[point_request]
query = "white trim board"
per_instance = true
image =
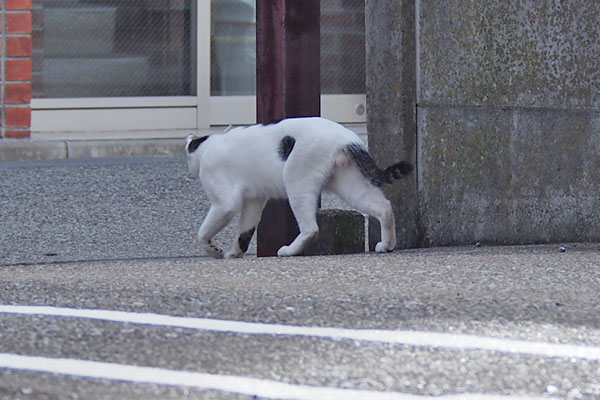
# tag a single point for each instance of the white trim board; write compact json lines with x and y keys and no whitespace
{"x":168,"y":113}
{"x":113,"y":102}
{"x":109,"y":119}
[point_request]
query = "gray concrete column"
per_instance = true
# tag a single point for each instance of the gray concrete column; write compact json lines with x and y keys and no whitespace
{"x":391,"y":105}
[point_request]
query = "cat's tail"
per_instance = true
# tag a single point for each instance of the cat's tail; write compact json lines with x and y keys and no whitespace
{"x":366,"y":165}
{"x":396,"y":171}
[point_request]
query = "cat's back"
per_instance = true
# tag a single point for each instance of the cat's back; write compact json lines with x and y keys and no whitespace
{"x":312,"y":133}
{"x":316,"y":129}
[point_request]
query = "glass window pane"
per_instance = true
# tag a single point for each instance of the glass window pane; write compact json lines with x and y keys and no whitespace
{"x":342,"y":46}
{"x":233,"y":47}
{"x":109,"y":48}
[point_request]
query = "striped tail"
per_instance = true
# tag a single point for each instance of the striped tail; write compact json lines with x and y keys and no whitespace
{"x":366,"y":165}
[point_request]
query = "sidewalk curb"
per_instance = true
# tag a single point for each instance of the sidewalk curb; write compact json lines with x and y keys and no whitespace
{"x":38,"y":150}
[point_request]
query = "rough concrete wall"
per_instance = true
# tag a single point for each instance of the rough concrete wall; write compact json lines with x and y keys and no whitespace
{"x":516,"y":53}
{"x":509,"y":176}
{"x":508,"y":120}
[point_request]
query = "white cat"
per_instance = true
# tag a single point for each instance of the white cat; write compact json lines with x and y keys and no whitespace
{"x":294,"y":158}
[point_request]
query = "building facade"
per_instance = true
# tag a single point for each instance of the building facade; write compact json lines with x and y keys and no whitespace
{"x":115,"y":65}
{"x":15,"y":68}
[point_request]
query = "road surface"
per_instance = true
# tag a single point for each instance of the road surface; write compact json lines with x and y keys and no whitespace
{"x":104,"y":294}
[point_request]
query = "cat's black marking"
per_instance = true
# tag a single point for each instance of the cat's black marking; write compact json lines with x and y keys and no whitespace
{"x":285,"y":147}
{"x":366,"y":165}
{"x":244,"y":239}
{"x":195,"y":143}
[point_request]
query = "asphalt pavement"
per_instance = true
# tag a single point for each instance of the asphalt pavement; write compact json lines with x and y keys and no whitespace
{"x":98,"y":209}
{"x":99,"y":236}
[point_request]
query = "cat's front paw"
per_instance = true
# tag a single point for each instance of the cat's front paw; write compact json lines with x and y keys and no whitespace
{"x":215,"y":253}
{"x":212,"y":250}
{"x":383,"y":247}
{"x":234,"y":254}
{"x":284,"y":251}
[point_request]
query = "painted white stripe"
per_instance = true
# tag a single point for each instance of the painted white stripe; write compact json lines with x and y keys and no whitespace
{"x":226,"y":383}
{"x":409,"y":338}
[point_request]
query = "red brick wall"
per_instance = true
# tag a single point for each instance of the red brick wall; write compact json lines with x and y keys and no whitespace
{"x":15,"y":45}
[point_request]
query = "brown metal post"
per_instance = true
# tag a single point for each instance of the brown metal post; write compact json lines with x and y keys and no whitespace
{"x":287,"y":85}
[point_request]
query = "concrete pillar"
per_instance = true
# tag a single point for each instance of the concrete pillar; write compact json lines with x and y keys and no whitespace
{"x":391,"y":105}
{"x":497,"y":104}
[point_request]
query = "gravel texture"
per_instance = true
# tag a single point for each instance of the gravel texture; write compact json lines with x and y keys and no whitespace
{"x":99,"y":209}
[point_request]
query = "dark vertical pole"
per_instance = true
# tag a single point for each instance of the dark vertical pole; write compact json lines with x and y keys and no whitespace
{"x":287,"y":85}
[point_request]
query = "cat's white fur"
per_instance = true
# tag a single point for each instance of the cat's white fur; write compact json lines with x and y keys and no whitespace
{"x":243,"y":168}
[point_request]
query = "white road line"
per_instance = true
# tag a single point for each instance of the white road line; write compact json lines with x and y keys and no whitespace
{"x":225,"y":383}
{"x":408,"y":338}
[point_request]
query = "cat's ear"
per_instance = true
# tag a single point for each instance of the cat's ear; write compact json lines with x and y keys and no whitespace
{"x":192,"y":142}
{"x":188,"y":140}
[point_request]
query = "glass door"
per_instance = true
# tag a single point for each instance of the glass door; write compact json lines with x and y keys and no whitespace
{"x":114,"y":65}
{"x":233,"y":61}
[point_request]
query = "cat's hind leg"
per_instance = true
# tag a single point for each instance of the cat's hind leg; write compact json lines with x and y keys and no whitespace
{"x":303,"y":197}
{"x":304,"y":174}
{"x":348,"y":183}
{"x":304,"y":207}
{"x":217,"y":218}
{"x":249,"y":218}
